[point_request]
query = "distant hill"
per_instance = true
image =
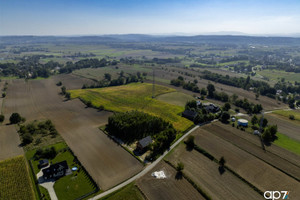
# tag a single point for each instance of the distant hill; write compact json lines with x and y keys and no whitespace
{"x":102,"y":39}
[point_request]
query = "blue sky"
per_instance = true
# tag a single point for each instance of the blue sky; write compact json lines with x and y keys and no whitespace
{"x":91,"y":17}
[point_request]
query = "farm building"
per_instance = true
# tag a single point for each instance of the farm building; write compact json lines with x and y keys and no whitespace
{"x":210,"y":107}
{"x":189,"y":114}
{"x":56,"y":170}
{"x":143,"y":143}
{"x":243,"y":122}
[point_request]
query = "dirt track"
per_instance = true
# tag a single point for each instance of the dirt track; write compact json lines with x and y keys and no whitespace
{"x":107,"y":162}
{"x":9,"y":142}
{"x":169,"y":188}
{"x":254,"y":170}
{"x":205,"y":174}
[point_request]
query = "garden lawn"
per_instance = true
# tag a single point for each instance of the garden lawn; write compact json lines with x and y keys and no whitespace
{"x":68,"y":187}
{"x":135,"y":96}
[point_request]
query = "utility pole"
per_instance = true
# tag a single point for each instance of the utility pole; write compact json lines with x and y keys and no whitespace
{"x":261,"y":130}
{"x":153,"y":83}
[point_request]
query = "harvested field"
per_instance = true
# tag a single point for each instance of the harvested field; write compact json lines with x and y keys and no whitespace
{"x":175,"y":98}
{"x":71,"y":81}
{"x":9,"y":142}
{"x":205,"y":174}
{"x":107,"y":162}
{"x":233,"y":136}
{"x":169,"y":188}
{"x":285,"y":126}
{"x":257,"y":172}
{"x":135,"y":96}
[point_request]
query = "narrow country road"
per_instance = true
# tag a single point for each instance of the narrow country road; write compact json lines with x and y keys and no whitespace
{"x":146,"y":170}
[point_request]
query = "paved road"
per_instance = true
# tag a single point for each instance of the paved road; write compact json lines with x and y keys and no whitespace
{"x":146,"y":170}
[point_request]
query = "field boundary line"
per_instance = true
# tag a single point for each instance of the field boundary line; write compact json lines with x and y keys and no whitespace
{"x":141,"y":191}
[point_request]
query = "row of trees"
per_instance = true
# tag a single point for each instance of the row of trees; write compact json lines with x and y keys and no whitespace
{"x":262,"y":87}
{"x":85,"y":63}
{"x":121,"y":80}
{"x":192,"y":86}
{"x":242,"y":103}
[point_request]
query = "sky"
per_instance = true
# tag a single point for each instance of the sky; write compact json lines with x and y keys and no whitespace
{"x":181,"y":17}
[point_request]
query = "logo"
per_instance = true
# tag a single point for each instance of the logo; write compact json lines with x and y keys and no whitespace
{"x":276,"y":195}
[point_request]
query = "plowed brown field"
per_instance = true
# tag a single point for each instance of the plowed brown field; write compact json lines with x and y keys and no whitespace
{"x":169,"y":188}
{"x":235,"y":136}
{"x":9,"y":142}
{"x":257,"y":172}
{"x":205,"y":174}
{"x":107,"y":162}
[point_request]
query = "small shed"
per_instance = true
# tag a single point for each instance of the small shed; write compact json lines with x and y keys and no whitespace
{"x":143,"y":143}
{"x":243,"y":122}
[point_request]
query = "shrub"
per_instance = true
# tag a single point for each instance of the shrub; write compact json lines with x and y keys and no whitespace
{"x":224,"y":117}
{"x":2,"y":118}
{"x":292,"y":117}
{"x":27,"y":138}
{"x":15,"y":118}
{"x":190,"y":141}
{"x":89,"y":104}
{"x":180,"y":167}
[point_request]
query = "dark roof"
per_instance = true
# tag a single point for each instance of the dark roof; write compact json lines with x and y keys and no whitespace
{"x":211,"y":107}
{"x":56,"y":170}
{"x":43,"y":162}
{"x":145,"y":141}
{"x":189,"y":114}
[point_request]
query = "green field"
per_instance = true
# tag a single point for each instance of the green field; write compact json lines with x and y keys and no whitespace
{"x":287,"y":143}
{"x":275,"y":75}
{"x":68,"y":187}
{"x":287,"y":113}
{"x":15,"y":182}
{"x":176,"y":98}
{"x":129,"y":192}
{"x":136,"y":96}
